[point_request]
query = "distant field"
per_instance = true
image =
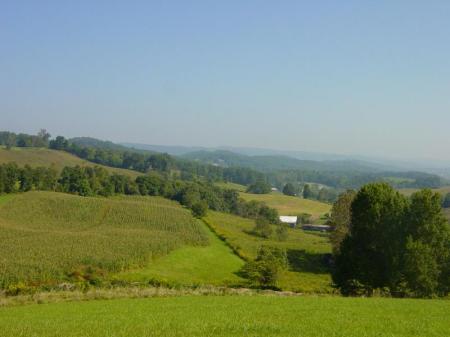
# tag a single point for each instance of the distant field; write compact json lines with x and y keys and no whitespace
{"x":46,"y":235}
{"x":409,"y":191}
{"x":232,"y":186}
{"x":231,"y":316}
{"x":287,"y":205}
{"x":46,"y":157}
{"x":305,"y":251}
{"x":214,"y":264}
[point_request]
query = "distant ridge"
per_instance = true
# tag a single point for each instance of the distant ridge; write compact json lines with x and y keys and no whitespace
{"x":176,"y":150}
{"x":441,"y":168}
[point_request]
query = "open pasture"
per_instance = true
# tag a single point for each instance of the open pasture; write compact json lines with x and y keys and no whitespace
{"x":46,"y":236}
{"x":287,"y":205}
{"x":43,"y":157}
{"x":306,"y":251}
{"x":231,"y":316}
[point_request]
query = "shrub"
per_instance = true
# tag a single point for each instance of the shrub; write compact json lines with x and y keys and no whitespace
{"x":263,"y":228}
{"x":265,"y":269}
{"x":282,"y":232}
{"x":199,"y":209}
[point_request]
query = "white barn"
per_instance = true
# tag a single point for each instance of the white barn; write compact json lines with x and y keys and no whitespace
{"x":288,"y":219}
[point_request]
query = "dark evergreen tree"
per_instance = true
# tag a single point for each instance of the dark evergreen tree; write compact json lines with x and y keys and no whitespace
{"x":289,"y":189}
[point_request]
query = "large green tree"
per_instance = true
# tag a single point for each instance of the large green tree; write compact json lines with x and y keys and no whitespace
{"x":427,"y":251}
{"x":340,"y":219}
{"x":396,"y":244}
{"x":369,"y":254}
{"x":307,"y":192}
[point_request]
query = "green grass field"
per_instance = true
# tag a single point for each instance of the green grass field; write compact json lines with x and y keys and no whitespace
{"x":214,"y":264}
{"x":305,"y":251}
{"x":287,"y":205}
{"x":45,"y":157}
{"x":231,"y":316}
{"x":46,"y":235}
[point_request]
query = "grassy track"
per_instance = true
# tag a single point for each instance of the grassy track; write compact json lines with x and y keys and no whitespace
{"x":227,"y":316}
{"x":45,"y":157}
{"x":305,"y":251}
{"x":287,"y":205}
{"x":214,"y":264}
{"x":46,"y":235}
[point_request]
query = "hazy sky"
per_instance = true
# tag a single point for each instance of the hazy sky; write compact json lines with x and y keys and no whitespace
{"x":362,"y":77}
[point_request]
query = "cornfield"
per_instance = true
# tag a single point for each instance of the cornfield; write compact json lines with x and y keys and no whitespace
{"x":44,"y":236}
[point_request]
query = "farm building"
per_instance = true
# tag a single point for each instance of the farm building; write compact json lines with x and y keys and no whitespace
{"x":290,"y":220}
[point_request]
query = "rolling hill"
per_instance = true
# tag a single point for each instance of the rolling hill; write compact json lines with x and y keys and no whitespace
{"x":278,"y":162}
{"x":49,"y":237}
{"x":35,"y":157}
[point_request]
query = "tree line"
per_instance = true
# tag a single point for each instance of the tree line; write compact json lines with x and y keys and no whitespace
{"x":10,"y":139}
{"x":385,"y":242}
{"x":144,"y":161}
{"x":342,"y":180}
{"x":114,"y":155}
{"x":197,"y":195}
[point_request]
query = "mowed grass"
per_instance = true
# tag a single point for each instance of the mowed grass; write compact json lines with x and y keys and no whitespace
{"x":215,"y":264}
{"x":306,"y":252}
{"x":36,"y":157}
{"x":409,"y":191}
{"x":46,"y":235}
{"x":231,"y":316}
{"x":287,"y":205}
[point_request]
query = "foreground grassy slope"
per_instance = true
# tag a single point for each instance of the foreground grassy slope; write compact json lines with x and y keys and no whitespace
{"x":214,"y":264}
{"x":306,"y":252}
{"x":226,"y":316}
{"x":45,"y":235}
{"x":45,"y":157}
{"x":287,"y":205}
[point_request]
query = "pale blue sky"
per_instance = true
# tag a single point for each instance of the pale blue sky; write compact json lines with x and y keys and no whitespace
{"x":352,"y":77}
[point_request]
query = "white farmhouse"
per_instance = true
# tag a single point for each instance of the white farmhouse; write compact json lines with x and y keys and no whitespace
{"x":288,"y":219}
